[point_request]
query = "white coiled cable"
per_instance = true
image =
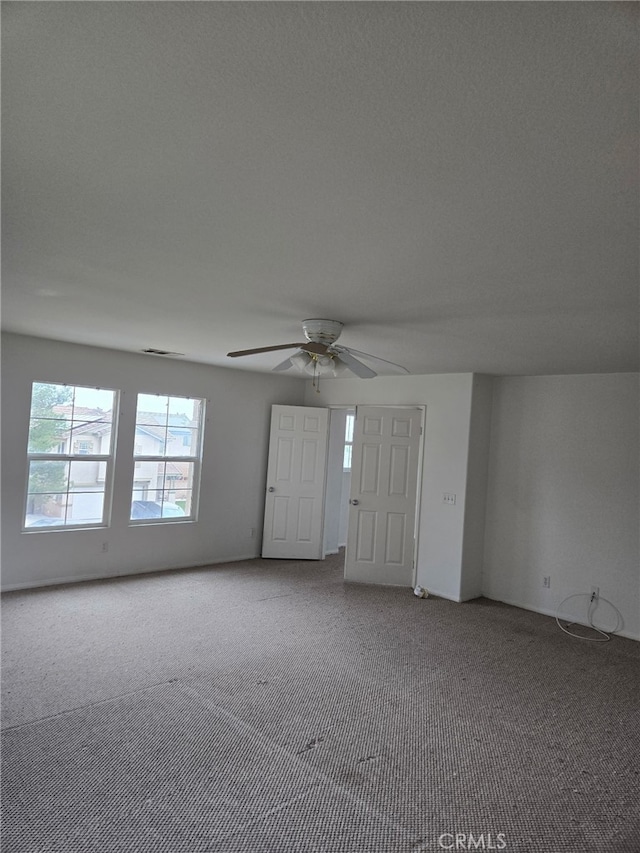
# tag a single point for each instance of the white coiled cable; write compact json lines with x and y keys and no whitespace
{"x":605,"y":636}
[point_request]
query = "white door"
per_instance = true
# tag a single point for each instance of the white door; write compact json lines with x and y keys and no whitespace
{"x":294,"y":503}
{"x":384,"y":481}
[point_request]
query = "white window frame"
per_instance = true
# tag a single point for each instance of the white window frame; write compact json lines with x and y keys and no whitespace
{"x":107,"y":458}
{"x":195,"y":457}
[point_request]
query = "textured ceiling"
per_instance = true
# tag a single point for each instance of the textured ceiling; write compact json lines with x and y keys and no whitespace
{"x":456,"y":182}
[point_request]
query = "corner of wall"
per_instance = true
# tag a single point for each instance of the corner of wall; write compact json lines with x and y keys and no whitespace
{"x":476,"y":487}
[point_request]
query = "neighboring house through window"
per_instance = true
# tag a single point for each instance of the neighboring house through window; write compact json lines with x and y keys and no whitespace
{"x":70,"y":456}
{"x":83,"y":448}
{"x":167,"y":458}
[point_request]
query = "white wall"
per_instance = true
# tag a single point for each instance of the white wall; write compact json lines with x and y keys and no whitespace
{"x":448,"y":403}
{"x":562,"y":474}
{"x":477,"y":479}
{"x":563,"y":495}
{"x":233,"y":473}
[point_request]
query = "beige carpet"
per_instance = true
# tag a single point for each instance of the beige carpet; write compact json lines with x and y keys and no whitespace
{"x":267,"y":706}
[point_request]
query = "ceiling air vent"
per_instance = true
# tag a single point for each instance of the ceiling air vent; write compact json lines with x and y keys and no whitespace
{"x":151,"y":351}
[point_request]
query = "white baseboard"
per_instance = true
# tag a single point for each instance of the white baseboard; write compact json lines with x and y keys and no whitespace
{"x":102,"y":577}
{"x":438,"y":594}
{"x":545,"y":611}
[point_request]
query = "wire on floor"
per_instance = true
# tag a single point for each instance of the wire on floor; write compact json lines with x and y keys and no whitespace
{"x":604,"y":635}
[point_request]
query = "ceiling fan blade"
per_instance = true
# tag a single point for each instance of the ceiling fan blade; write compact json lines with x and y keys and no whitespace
{"x":356,"y":366}
{"x":376,"y":358}
{"x":284,"y":365}
{"x":307,"y":346}
{"x":264,"y":349}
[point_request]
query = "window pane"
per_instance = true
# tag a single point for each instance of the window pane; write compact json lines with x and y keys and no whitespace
{"x":150,"y":441}
{"x":45,"y":511}
{"x":141,"y":509}
{"x":48,"y":435}
{"x":161,"y":507}
{"x":175,"y":507}
{"x":348,"y":433}
{"x":85,"y":507}
{"x":160,"y":483}
{"x":98,"y":400}
{"x":346,"y":463}
{"x":183,"y":422}
{"x":177,"y":476}
{"x":48,"y":477}
{"x":54,"y":407}
{"x":182,"y":441}
{"x":47,"y":400}
{"x":188,"y":407}
{"x":166,"y":476}
{"x":152,"y":409}
{"x":167,"y":426}
{"x":97,"y":433}
{"x":85,"y":474}
{"x":148,"y":475}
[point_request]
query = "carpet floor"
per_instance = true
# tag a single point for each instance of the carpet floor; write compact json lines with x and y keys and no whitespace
{"x":268,"y":706}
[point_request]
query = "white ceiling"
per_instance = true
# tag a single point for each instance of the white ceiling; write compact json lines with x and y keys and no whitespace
{"x":456,"y":182}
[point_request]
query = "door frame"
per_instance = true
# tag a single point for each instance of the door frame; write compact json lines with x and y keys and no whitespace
{"x":420,"y":462}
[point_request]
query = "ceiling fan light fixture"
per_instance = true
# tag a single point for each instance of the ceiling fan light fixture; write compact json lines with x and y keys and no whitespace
{"x":340,"y":368}
{"x":301,"y":360}
{"x":325,"y":363}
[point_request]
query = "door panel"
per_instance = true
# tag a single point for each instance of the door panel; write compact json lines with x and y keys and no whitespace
{"x":279,"y":522}
{"x":384,"y":481}
{"x":370,"y":469}
{"x":294,"y":503}
{"x":396,"y":537}
{"x":366,"y":536}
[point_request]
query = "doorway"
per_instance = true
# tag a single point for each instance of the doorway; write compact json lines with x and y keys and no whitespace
{"x":372,"y":491}
{"x":346,"y":476}
{"x":338,"y":485}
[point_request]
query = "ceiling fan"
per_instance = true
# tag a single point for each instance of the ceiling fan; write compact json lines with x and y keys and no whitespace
{"x":319,"y":355}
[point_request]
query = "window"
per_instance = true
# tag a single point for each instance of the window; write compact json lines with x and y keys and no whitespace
{"x":348,"y":442}
{"x":167,"y":458}
{"x":83,"y":448}
{"x":70,"y":456}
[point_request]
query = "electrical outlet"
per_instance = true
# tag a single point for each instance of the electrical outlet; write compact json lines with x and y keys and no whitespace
{"x":546,"y":581}
{"x":252,"y":533}
{"x":105,"y":547}
{"x":448,"y":498}
{"x":595,"y":593}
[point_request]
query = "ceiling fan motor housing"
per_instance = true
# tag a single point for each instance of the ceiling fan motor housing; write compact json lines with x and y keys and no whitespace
{"x":322,"y":331}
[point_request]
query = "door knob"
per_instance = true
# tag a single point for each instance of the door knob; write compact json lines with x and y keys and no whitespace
{"x":355,"y":502}
{"x":271,"y":489}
